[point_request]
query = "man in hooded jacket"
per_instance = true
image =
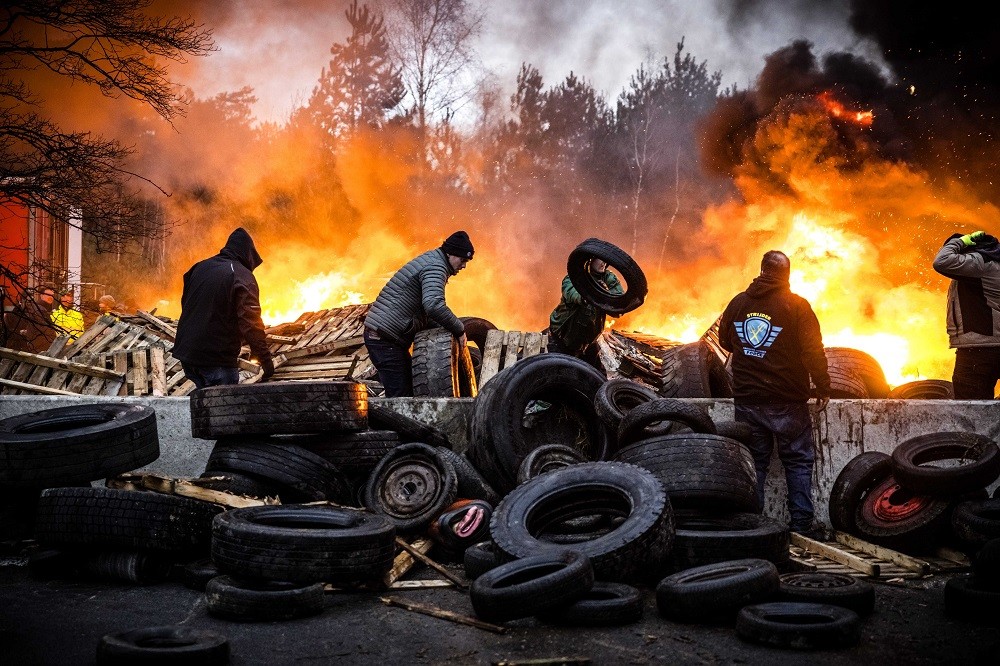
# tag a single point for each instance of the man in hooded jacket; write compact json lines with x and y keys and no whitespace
{"x":973,"y":264}
{"x":777,"y":347}
{"x":220,"y":311}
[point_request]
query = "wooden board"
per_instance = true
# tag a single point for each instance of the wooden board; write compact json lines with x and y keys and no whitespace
{"x":505,"y":348}
{"x":851,"y":555}
{"x":23,"y":373}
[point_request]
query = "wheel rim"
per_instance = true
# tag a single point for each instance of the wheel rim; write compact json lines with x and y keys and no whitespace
{"x":410,"y":486}
{"x":895,"y":503}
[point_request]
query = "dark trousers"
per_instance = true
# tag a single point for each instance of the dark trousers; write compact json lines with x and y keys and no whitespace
{"x":977,"y":370}
{"x":394,"y":365}
{"x":208,"y":375}
{"x":589,"y":353}
{"x":789,"y":425}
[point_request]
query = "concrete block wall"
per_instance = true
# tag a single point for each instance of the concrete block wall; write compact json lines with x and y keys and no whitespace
{"x":845,"y":429}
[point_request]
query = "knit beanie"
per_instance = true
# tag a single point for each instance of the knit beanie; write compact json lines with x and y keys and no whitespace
{"x":458,"y":245}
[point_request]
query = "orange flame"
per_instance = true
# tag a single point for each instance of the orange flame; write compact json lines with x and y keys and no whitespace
{"x":838,"y":110}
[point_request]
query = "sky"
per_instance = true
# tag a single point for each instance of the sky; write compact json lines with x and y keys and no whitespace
{"x":603,"y":41}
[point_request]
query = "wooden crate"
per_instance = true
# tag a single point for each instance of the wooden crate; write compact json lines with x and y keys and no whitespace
{"x":30,"y":374}
{"x":505,"y":348}
{"x":851,"y":555}
{"x":330,"y":345}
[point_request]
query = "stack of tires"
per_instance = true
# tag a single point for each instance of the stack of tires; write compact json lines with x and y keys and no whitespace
{"x":694,"y":370}
{"x":930,"y":490}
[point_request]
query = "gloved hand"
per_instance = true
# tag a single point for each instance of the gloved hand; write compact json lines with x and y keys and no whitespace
{"x":268,"y":366}
{"x":971,"y":239}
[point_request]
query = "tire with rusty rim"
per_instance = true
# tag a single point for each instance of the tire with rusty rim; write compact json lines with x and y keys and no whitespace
{"x":577,"y":267}
{"x":411,"y":486}
{"x":828,"y":588}
{"x":278,"y":408}
{"x":893,"y":516}
{"x":978,"y":459}
{"x":855,"y":480}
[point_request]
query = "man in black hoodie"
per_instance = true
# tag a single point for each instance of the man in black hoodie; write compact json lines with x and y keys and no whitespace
{"x":777,"y":346}
{"x":220,"y":310}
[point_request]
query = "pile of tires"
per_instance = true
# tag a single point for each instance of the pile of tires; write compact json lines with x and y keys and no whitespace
{"x":694,"y":370}
{"x":855,"y":374}
{"x":929,"y":492}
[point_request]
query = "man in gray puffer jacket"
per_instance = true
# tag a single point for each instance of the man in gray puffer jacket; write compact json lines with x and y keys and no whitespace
{"x":411,"y":301}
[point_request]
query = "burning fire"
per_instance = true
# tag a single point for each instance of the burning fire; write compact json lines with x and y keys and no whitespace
{"x":838,"y":110}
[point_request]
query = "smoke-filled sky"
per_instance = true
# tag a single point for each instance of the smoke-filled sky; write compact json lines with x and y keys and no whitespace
{"x":279,"y":47}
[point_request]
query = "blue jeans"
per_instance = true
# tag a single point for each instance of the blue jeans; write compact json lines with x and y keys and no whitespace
{"x":789,"y":425}
{"x":394,"y":365}
{"x":207,"y":375}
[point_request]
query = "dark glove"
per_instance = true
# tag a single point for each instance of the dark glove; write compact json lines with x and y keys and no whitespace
{"x":268,"y":366}
{"x":969,"y":240}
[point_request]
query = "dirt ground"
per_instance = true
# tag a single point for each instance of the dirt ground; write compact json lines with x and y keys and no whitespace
{"x":61,"y":622}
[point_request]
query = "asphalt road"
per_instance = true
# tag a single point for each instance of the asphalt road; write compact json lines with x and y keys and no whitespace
{"x":61,"y":622}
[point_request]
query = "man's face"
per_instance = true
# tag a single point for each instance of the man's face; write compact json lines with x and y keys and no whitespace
{"x":598,"y":266}
{"x":457,"y":263}
{"x":49,"y":296}
{"x":66,"y":300}
{"x":104,"y":306}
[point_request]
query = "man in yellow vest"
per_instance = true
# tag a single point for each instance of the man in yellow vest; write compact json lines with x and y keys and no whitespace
{"x":67,"y":318}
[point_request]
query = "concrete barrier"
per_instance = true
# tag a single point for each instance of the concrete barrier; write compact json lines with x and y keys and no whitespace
{"x":845,"y":429}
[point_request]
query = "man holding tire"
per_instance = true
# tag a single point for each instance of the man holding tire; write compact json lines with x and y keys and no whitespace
{"x":576,"y":323}
{"x":414,"y":297}
{"x":220,"y":310}
{"x":973,"y":264}
{"x":777,"y":347}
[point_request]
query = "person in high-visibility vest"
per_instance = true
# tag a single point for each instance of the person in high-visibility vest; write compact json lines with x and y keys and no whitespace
{"x":67,"y":318}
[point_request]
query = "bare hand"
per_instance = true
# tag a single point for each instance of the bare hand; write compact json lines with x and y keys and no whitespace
{"x":463,"y":340}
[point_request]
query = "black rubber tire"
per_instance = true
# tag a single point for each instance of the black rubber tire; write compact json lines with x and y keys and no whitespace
{"x":800,"y":626}
{"x":604,"y":605}
{"x":501,"y":439}
{"x":893,"y":516}
{"x":740,"y":431}
{"x":706,"y":539}
{"x":163,"y":645}
{"x":263,"y":601}
{"x":976,"y":522}
{"x":75,"y":445}
{"x":823,"y":587}
{"x":546,"y":458}
{"x":864,"y":365}
{"x":845,"y":384}
{"x":300,"y":474}
{"x":981,"y":470}
{"x":531,"y":585}
{"x":411,"y":486}
{"x":482,"y":557}
{"x":471,"y":484}
{"x":195,"y":575}
{"x":640,"y":422}
{"x":476,"y":330}
{"x":435,"y":364}
{"x":969,"y":598}
{"x":123,"y":519}
{"x":616,"y":397}
{"x":693,"y":370}
{"x":924,"y":389}
{"x":353,"y":453}
{"x":408,"y":429}
{"x":701,"y":472}
{"x":579,"y":274}
{"x":714,"y":592}
{"x":861,"y":473}
{"x":125,"y":566}
{"x":302,"y":543}
{"x":278,"y":408}
{"x":986,"y":564}
{"x":633,"y":551}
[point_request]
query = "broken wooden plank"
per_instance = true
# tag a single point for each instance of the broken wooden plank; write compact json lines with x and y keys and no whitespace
{"x":440,"y":613}
{"x":57,"y":363}
{"x":405,"y":561}
{"x":34,"y":388}
{"x":836,"y":554}
{"x":512,"y":343}
{"x":491,"y":355}
{"x":420,"y":584}
{"x":186,"y":488}
{"x":906,"y":561}
{"x":157,"y":370}
{"x":324,"y":348}
{"x":158,"y":324}
{"x":459,"y":583}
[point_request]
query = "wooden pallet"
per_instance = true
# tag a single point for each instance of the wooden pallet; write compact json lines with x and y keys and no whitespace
{"x":505,"y":348}
{"x":330,"y":345}
{"x":27,"y":374}
{"x":848,"y":554}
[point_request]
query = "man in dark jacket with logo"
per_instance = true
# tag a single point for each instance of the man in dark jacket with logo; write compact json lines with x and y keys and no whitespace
{"x":220,"y":311}
{"x":777,"y":346}
{"x":407,"y":304}
{"x":973,"y":264}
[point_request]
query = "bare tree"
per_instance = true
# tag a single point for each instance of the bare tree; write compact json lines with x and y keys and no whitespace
{"x":120,"y":48}
{"x":432,"y":42}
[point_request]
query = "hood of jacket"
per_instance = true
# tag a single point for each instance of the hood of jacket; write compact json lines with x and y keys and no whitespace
{"x":240,"y":247}
{"x":764,"y":285}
